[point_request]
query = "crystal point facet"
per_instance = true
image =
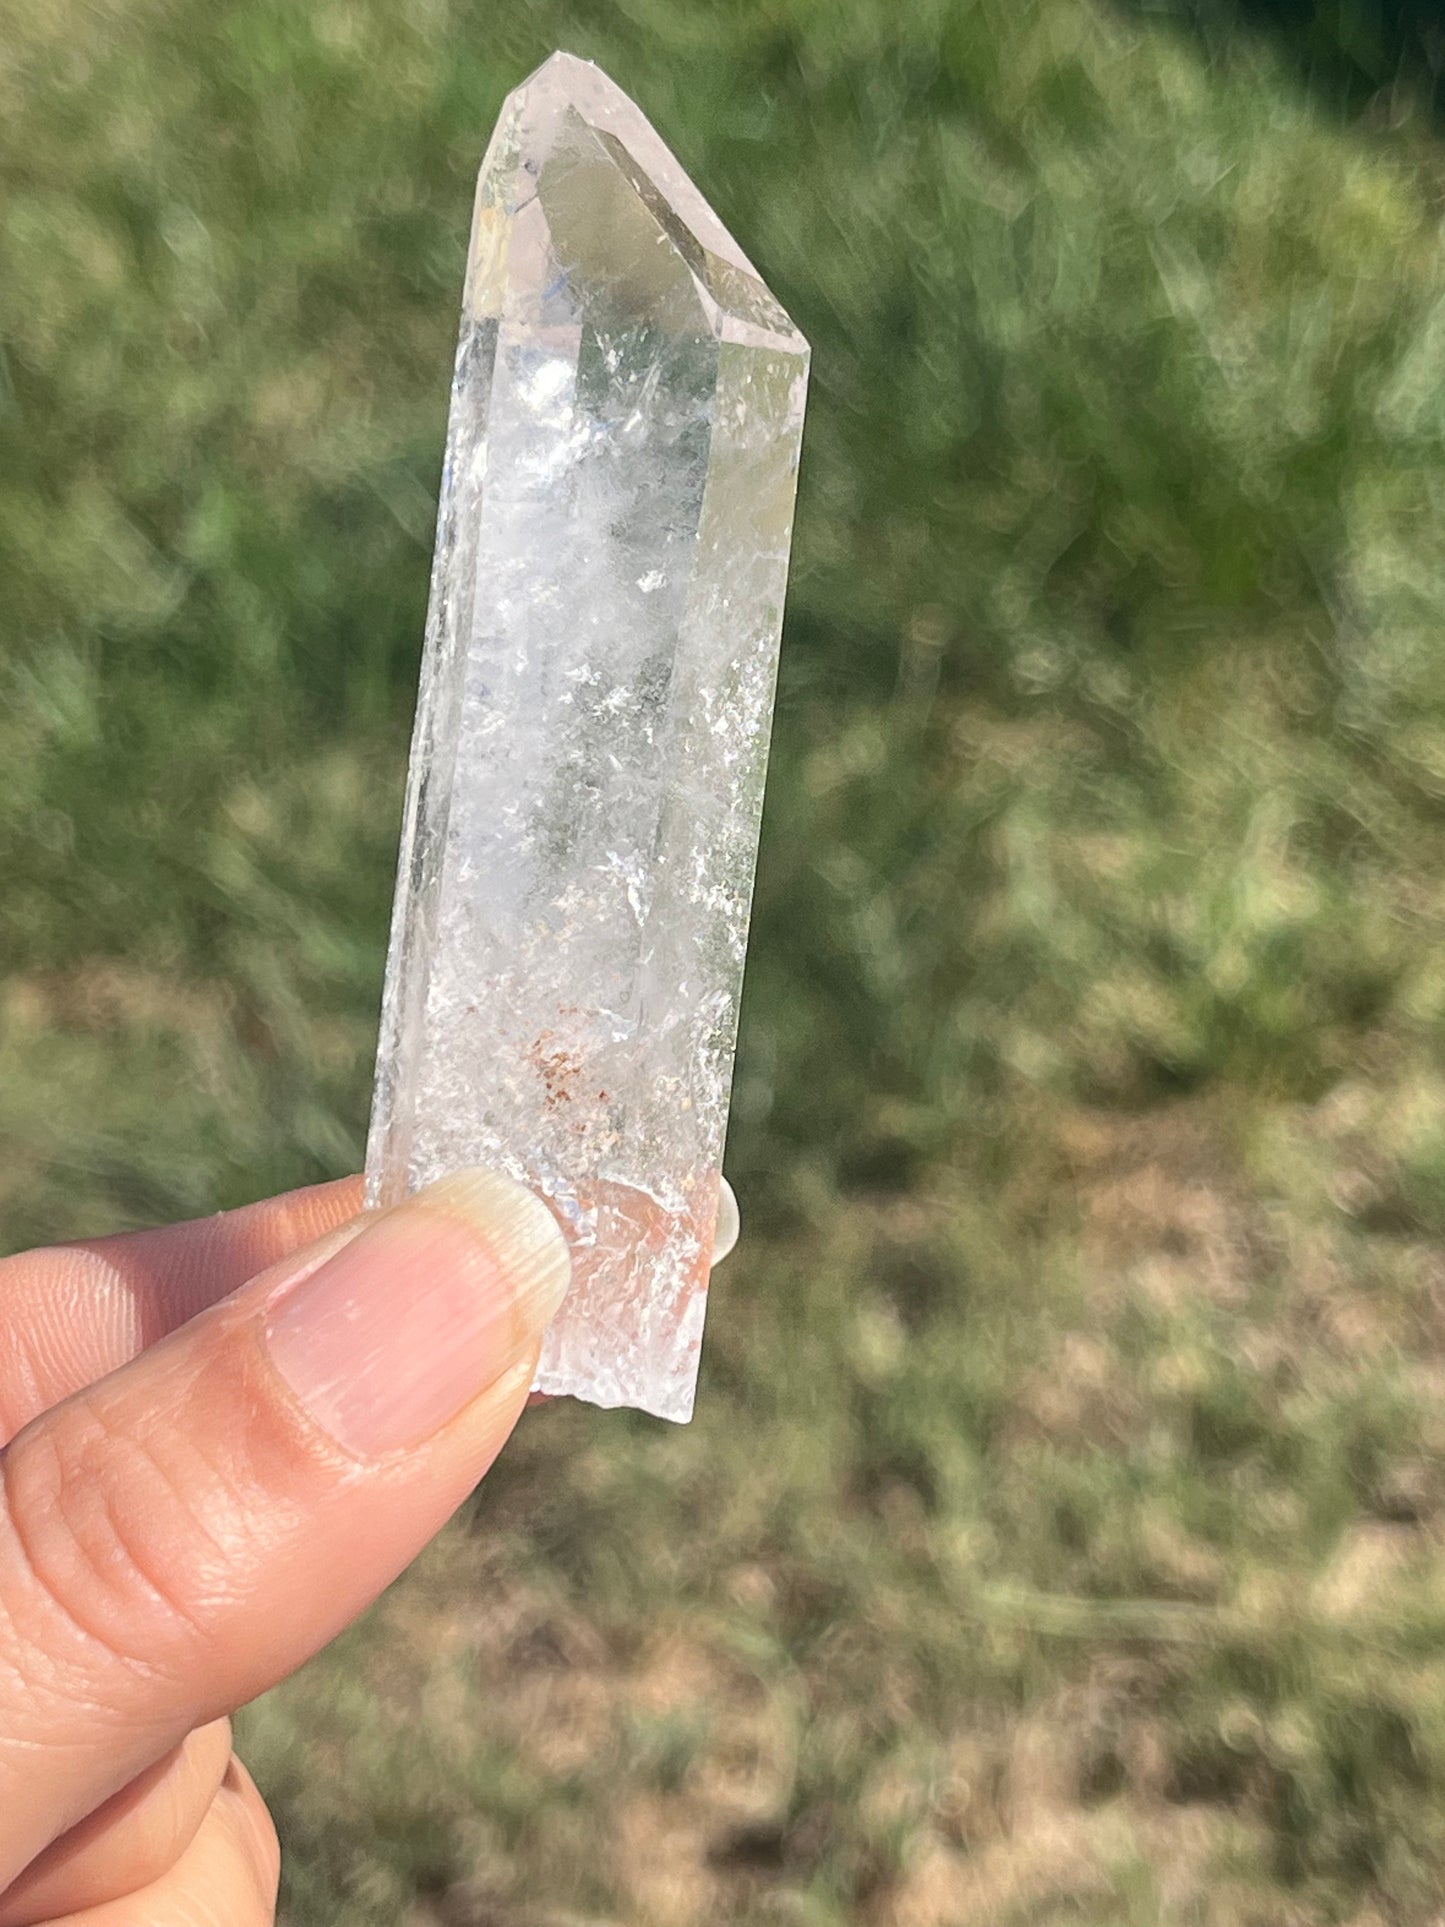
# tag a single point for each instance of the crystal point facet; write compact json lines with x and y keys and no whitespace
{"x":587,"y":767}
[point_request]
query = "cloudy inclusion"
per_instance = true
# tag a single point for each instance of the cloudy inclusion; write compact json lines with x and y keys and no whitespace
{"x":591,"y":737}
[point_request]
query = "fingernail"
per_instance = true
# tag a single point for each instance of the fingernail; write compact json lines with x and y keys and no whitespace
{"x":429,"y":1305}
{"x":729,"y":1223}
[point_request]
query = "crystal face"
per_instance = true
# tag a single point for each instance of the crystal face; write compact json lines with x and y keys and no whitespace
{"x":591,"y":737}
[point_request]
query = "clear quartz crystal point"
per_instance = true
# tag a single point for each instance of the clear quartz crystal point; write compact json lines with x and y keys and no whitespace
{"x":591,"y":735}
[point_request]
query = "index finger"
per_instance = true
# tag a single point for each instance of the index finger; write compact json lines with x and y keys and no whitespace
{"x":71,"y":1313}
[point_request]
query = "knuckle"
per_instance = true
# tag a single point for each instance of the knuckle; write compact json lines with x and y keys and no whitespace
{"x":91,"y":1522}
{"x":255,"y":1836}
{"x":267,"y":1854}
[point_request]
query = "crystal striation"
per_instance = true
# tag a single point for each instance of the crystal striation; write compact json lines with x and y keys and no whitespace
{"x":591,"y":736}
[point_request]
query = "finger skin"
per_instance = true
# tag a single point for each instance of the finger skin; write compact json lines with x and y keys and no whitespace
{"x":227,"y":1877}
{"x":68,"y":1316}
{"x":72,"y":1313}
{"x":131,"y":1840}
{"x":182,"y":1535}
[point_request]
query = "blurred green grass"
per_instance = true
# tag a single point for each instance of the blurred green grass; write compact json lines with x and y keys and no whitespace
{"x":1059,"y":1537}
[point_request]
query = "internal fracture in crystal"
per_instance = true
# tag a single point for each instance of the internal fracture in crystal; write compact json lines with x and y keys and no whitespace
{"x":587,"y":767}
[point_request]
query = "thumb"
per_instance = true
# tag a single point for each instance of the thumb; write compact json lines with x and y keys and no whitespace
{"x":184,"y":1533}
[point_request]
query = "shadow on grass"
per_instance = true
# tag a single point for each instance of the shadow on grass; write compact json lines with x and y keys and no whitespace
{"x":1354,"y":56}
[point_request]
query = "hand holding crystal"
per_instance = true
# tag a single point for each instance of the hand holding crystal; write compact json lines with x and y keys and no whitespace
{"x":219,"y":1441}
